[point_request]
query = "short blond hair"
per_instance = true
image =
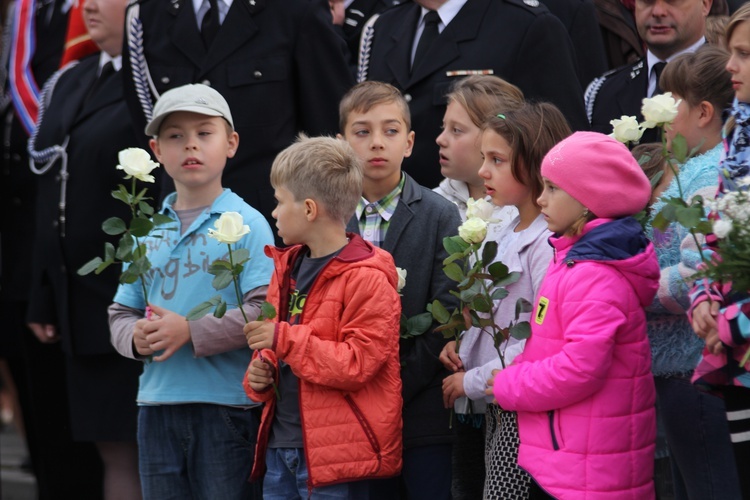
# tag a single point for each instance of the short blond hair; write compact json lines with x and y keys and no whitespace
{"x":365,"y":95}
{"x":324,"y":169}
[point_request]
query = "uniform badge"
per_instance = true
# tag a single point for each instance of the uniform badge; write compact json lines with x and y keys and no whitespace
{"x":531,"y":3}
{"x":636,"y":70}
{"x":541,"y":310}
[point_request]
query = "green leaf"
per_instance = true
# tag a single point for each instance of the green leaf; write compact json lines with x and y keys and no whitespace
{"x":160,"y":219}
{"x":485,"y":322}
{"x":129,"y":276}
{"x":481,"y":304}
{"x":220,"y":310}
{"x":508,"y":280}
{"x":498,"y":270}
{"x":140,"y":196}
{"x":452,"y":257}
{"x":439,"y":312}
{"x":417,"y":325}
{"x":267,"y":311}
{"x":454,"y":272}
{"x":241,"y":255}
{"x":660,"y":222}
{"x":140,"y":227}
{"x":203,"y":308}
{"x":454,"y":244}
{"x":146,"y":209}
{"x":104,"y":265}
{"x":125,"y":248}
{"x":523,"y":306}
{"x":219,"y":266}
{"x":237,"y":269}
{"x":222,"y":280}
{"x":489,"y":252}
{"x":521,"y":330}
{"x":109,"y":252}
{"x":679,"y":148}
{"x":140,"y":265}
{"x":114,"y":226}
{"x":499,"y":293}
{"x":689,"y":217}
{"x":121,"y":194}
{"x":90,"y":266}
{"x":470,"y":293}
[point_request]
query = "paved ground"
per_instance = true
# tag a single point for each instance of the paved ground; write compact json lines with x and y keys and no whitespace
{"x":15,"y":484}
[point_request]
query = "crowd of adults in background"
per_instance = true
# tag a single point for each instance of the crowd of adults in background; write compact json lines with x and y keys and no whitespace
{"x":283,"y":67}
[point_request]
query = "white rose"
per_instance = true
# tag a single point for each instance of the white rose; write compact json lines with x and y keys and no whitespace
{"x":229,"y":228}
{"x":626,"y":129}
{"x":401,"y":279}
{"x":480,"y":208}
{"x":136,"y":163}
{"x":473,"y":230}
{"x":659,"y":110}
{"x":722,"y":228}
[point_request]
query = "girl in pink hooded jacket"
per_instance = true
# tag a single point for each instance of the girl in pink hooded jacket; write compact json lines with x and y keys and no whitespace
{"x":583,"y":387}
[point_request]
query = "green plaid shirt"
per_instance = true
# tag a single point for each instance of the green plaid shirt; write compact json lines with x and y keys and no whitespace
{"x":374,"y":218}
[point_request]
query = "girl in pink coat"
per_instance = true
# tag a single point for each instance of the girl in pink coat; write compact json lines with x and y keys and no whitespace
{"x":583,"y":387}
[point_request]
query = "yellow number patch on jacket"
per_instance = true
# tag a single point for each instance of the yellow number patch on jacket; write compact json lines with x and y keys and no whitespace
{"x":541,"y":310}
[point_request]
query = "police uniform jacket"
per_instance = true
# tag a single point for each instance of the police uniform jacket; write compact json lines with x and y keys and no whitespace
{"x":278,"y":63}
{"x":616,"y":93}
{"x":98,"y":125}
{"x":523,"y":44}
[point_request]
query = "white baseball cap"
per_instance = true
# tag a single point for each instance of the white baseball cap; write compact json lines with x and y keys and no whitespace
{"x":196,"y":98}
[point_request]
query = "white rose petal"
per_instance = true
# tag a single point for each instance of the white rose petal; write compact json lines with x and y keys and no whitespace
{"x":722,"y":228}
{"x":229,"y":228}
{"x":401,"y":279}
{"x":136,"y":163}
{"x":659,"y":110}
{"x":626,"y":129}
{"x":473,"y":230}
{"x":480,"y":208}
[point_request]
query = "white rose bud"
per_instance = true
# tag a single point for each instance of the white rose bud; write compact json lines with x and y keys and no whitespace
{"x":229,"y":228}
{"x":473,"y":230}
{"x":626,"y":129}
{"x":659,"y":110}
{"x":136,"y":163}
{"x":480,"y":208}
{"x":401,"y":279}
{"x":722,"y":228}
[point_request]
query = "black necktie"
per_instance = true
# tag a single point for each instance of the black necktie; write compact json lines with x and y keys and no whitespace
{"x":107,"y":70}
{"x":429,"y":34}
{"x":658,"y":68}
{"x":210,"y":23}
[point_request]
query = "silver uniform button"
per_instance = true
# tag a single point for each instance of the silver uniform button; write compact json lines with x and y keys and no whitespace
{"x":165,"y":79}
{"x":407,"y":97}
{"x":206,"y":82}
{"x":257,"y":74}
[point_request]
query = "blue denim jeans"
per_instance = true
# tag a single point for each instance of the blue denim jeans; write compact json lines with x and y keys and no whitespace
{"x":286,"y":479}
{"x":698,"y":438}
{"x":198,"y":451}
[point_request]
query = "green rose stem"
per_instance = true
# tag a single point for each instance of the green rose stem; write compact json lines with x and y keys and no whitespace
{"x":236,"y":285}
{"x":138,"y":249}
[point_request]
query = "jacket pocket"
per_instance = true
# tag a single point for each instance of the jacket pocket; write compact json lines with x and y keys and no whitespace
{"x":365,"y":425}
{"x":554,"y":429}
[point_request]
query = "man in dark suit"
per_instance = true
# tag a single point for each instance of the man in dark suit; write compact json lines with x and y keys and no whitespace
{"x":278,"y":63}
{"x":520,"y":41}
{"x":668,"y":30}
{"x":63,"y":468}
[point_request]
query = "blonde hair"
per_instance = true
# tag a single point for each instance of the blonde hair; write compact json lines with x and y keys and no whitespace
{"x":365,"y":95}
{"x":324,"y":169}
{"x":742,"y":15}
{"x":716,"y":27}
{"x":481,"y":95}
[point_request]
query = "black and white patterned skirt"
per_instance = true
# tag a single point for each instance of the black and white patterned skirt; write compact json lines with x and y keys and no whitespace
{"x":504,"y":480}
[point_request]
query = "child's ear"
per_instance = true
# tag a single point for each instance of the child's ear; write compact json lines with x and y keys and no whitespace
{"x":340,"y":137}
{"x":409,"y":144}
{"x":154,"y":145}
{"x":707,"y":113}
{"x":311,"y":209}
{"x":233,"y":142}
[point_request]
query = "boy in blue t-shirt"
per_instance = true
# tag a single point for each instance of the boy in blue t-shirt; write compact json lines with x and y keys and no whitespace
{"x":196,"y":427}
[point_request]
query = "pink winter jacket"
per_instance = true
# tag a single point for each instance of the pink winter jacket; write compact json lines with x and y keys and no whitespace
{"x":583,"y":387}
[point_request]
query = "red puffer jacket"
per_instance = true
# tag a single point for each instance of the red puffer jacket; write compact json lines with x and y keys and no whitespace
{"x":345,"y":353}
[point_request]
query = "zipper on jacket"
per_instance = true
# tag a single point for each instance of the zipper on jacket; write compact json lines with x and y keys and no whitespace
{"x":365,"y":425}
{"x":551,"y":414}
